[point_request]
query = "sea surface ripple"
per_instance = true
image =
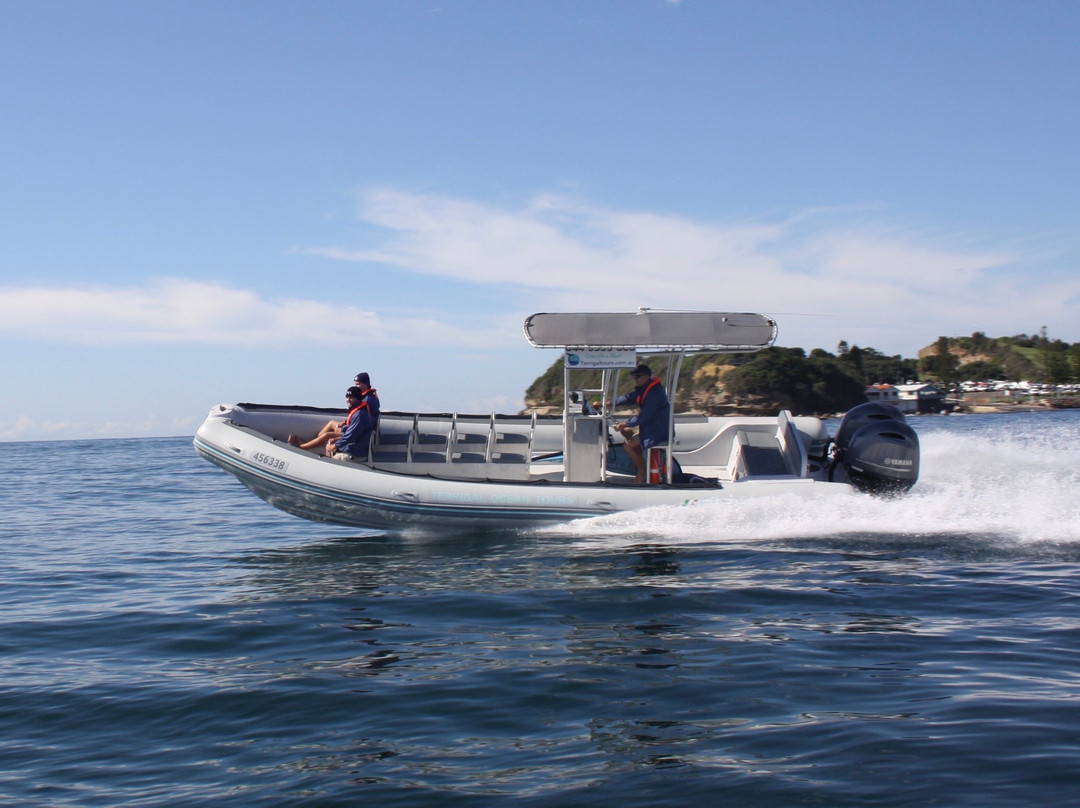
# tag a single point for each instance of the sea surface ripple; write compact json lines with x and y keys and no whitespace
{"x":168,"y":639}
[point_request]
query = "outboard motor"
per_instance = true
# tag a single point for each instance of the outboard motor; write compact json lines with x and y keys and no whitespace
{"x":877,"y":449}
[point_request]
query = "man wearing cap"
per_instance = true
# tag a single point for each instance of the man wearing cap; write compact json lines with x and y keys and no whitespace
{"x":355,"y":437}
{"x":654,"y":412}
{"x":332,"y":429}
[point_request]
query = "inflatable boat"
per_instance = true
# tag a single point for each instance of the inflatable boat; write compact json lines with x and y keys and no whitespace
{"x":453,"y":470}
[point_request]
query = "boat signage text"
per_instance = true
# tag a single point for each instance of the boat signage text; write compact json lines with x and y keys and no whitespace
{"x":600,"y":358}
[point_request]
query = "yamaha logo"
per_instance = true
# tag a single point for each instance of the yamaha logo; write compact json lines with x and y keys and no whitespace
{"x":896,"y":461}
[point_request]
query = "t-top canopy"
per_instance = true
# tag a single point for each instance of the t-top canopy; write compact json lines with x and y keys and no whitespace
{"x":652,"y":330}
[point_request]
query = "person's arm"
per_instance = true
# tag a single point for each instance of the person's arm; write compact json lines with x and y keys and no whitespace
{"x":347,"y":442}
{"x":372,"y":399}
{"x":649,"y":408}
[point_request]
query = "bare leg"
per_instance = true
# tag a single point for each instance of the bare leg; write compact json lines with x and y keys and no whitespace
{"x":637,"y":457}
{"x":330,"y":431}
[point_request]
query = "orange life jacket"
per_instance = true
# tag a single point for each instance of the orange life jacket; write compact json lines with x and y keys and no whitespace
{"x":645,"y":392}
{"x":363,"y":405}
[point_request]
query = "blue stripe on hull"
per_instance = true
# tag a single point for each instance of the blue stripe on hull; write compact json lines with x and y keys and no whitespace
{"x":358,"y":510}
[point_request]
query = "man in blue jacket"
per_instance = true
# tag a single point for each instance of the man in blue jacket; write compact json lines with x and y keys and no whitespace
{"x":355,"y":437}
{"x":654,"y":413}
{"x":332,"y":429}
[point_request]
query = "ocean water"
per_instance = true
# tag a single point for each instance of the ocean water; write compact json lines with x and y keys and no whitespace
{"x":168,"y":639}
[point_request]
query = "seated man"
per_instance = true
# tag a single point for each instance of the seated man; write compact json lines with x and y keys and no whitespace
{"x":355,"y":437}
{"x":654,"y":411}
{"x":332,"y":429}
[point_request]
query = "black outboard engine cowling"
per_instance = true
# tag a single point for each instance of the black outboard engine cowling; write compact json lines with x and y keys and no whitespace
{"x":858,"y":417}
{"x":883,"y":458}
{"x":877,"y":449}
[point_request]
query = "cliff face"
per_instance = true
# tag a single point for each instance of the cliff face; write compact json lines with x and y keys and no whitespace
{"x":1015,"y":358}
{"x":705,"y":393}
{"x":701,"y":391}
{"x":964,"y":355}
{"x":823,"y":383}
{"x":721,"y":402}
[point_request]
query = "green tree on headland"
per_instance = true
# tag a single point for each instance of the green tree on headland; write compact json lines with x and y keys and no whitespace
{"x":802,"y":384}
{"x":874,"y":367}
{"x":942,"y":364}
{"x":824,"y":383}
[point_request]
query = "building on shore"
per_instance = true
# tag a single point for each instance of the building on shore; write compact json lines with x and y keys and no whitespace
{"x":883,"y":394}
{"x":910,"y":399}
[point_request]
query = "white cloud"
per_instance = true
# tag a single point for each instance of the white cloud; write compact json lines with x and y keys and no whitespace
{"x":554,"y":243}
{"x":838,"y":264}
{"x":177,"y":311}
{"x":826,"y":275}
{"x":25,"y":428}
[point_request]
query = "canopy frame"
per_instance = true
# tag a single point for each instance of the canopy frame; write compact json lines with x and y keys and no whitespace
{"x":652,"y":331}
{"x":646,"y":331}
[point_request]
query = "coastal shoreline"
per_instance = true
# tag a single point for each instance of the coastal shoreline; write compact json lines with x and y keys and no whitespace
{"x":983,"y":405}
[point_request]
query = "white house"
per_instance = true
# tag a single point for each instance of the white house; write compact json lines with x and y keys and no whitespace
{"x":883,"y":393}
{"x":921,"y":397}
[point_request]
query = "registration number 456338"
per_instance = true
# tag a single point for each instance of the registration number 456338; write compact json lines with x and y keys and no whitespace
{"x":275,"y":463}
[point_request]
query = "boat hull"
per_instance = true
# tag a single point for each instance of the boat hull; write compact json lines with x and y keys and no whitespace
{"x":356,"y":495}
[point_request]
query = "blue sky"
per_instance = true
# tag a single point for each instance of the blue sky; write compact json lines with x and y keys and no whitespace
{"x":205,"y":202}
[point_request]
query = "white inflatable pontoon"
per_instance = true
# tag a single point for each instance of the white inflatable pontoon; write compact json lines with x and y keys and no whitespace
{"x":504,"y":471}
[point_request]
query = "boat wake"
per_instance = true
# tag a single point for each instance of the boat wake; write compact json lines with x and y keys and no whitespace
{"x":1012,"y":489}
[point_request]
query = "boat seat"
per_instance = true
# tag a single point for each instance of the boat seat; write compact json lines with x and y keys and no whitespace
{"x":511,"y":438}
{"x":757,"y":454}
{"x":454,"y":446}
{"x":471,"y":438}
{"x":388,"y":456}
{"x":764,"y":461}
{"x":428,"y":457}
{"x":656,"y":459}
{"x":468,"y":457}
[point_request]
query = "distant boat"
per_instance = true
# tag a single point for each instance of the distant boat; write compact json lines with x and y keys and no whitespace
{"x":501,"y":470}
